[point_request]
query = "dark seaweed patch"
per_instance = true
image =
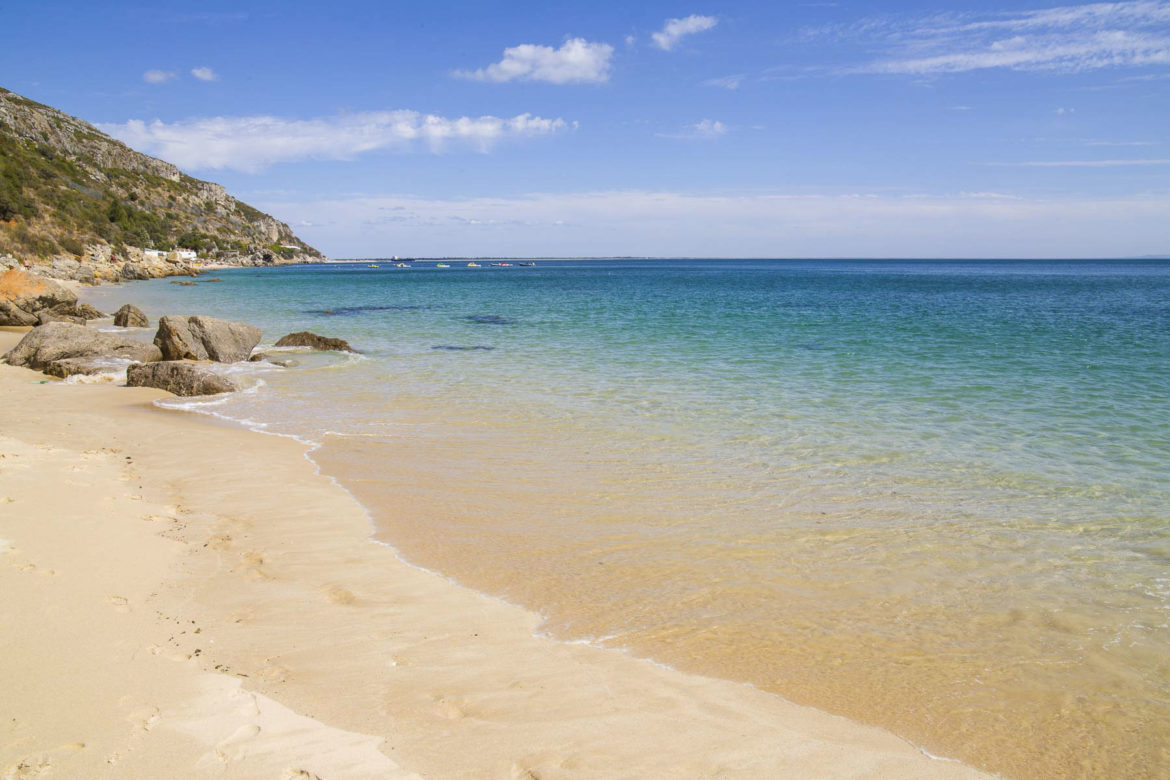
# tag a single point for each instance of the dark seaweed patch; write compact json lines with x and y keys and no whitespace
{"x":457,"y":348}
{"x":342,"y":311}
{"x":489,"y":319}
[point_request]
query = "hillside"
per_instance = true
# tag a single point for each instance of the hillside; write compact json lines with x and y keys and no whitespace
{"x":76,"y":203}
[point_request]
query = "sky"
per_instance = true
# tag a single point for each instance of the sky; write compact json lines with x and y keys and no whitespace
{"x":758,"y":128}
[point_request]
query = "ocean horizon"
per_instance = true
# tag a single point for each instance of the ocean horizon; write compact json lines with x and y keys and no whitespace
{"x":928,"y":495}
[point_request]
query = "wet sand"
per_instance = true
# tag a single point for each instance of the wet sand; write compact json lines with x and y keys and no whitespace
{"x":186,"y":599}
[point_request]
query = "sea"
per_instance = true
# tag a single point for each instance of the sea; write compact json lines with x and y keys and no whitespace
{"x":928,"y":495}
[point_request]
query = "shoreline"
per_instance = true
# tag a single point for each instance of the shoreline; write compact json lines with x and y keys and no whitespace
{"x":318,"y":648}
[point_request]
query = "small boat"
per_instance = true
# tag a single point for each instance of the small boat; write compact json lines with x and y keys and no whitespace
{"x":527,"y":265}
{"x":372,"y":265}
{"x":403,"y":265}
{"x":442,"y":265}
{"x":473,"y":264}
{"x":502,"y":265}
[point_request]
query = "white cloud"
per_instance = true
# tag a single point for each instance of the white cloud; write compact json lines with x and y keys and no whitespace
{"x":676,"y":29}
{"x":1132,"y":33}
{"x":703,"y":130}
{"x":727,"y":82}
{"x":657,"y":223}
{"x":253,"y":143}
{"x":204,"y":73}
{"x":577,"y":61}
{"x":158,"y":76}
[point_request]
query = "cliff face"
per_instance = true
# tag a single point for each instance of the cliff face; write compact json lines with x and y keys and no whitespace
{"x":72,"y":196}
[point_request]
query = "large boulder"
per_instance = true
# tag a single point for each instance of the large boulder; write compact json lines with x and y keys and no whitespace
{"x":306,"y":339}
{"x":179,"y":377}
{"x":60,"y":340}
{"x":23,"y":295}
{"x":70,"y":366}
{"x":130,"y":316}
{"x":205,"y":338}
{"x":135,"y":271}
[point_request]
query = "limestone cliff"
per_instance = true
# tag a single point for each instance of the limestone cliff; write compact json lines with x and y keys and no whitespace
{"x":76,"y":203}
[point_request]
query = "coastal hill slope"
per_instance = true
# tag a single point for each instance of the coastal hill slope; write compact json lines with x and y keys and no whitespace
{"x":75,"y":202}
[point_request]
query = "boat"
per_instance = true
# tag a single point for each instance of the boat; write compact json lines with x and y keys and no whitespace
{"x":527,"y":265}
{"x":372,"y":265}
{"x":473,"y":264}
{"x":442,"y":265}
{"x":404,"y":265}
{"x":502,"y":265}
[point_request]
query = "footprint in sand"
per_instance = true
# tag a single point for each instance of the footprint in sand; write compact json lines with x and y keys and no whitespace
{"x":29,"y":767}
{"x":120,"y":603}
{"x":336,"y":595}
{"x":299,"y":774}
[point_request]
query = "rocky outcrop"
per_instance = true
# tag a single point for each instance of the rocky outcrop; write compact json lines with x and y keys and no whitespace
{"x":179,"y":377}
{"x":24,"y":295}
{"x":130,"y":316}
{"x":62,"y":341}
{"x":205,"y":338}
{"x":306,"y":339}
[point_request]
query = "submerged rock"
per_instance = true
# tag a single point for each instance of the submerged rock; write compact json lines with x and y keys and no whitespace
{"x":62,"y":340}
{"x":306,"y":339}
{"x":130,"y":316}
{"x":205,"y":338}
{"x":24,"y":295}
{"x":489,"y":319}
{"x":179,"y":377}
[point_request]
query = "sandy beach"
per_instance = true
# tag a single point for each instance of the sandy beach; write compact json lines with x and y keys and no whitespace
{"x":185,"y":599}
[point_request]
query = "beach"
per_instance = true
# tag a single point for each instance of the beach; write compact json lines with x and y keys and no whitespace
{"x":187,"y":599}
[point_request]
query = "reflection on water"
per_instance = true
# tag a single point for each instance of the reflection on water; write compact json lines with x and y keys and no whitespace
{"x":926,"y":496}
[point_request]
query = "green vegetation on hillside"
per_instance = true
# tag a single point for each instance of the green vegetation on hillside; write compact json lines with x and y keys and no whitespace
{"x":65,"y":185}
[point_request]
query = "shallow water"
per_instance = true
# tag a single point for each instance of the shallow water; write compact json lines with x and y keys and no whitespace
{"x":931,"y":496}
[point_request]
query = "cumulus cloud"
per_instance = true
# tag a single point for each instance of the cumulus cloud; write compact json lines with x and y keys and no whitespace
{"x":158,"y":76}
{"x":253,"y":143}
{"x":577,"y":61}
{"x":1061,"y":39}
{"x":677,"y":29}
{"x":204,"y":73}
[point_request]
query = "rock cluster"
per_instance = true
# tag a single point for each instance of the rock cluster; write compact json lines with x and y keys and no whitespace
{"x":23,"y":296}
{"x":178,"y":360}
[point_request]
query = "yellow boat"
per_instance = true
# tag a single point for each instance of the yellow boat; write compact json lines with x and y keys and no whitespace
{"x":442,"y":265}
{"x":473,"y":265}
{"x":371,"y":265}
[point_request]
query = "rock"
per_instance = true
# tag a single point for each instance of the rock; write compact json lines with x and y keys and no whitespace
{"x":61,"y":340}
{"x":130,"y":316}
{"x":26,"y":294}
{"x":49,"y":315}
{"x":70,"y":366}
{"x":179,"y":377}
{"x":135,"y":271}
{"x":263,"y":357}
{"x":306,"y":339}
{"x":205,"y":338}
{"x":11,"y":314}
{"x":77,"y":309}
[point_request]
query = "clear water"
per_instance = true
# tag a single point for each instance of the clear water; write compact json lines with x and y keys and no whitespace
{"x":932,"y":496}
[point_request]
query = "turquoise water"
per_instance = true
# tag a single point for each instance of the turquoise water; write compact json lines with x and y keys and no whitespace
{"x":928,"y":495}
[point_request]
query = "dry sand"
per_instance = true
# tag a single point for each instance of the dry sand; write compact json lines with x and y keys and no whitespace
{"x":184,"y":599}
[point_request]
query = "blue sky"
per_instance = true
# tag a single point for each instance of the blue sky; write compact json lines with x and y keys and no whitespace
{"x":756,"y":129}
